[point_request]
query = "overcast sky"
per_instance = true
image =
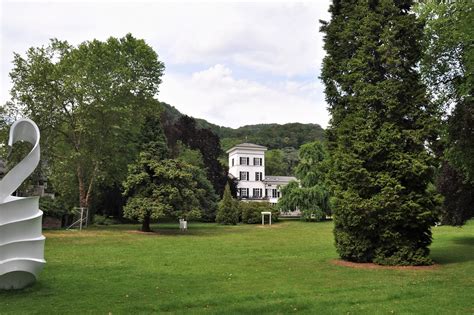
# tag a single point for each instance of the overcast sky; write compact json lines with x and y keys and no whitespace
{"x":232,"y":64}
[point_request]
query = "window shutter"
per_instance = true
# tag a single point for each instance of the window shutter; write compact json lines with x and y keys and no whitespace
{"x":248,"y":178}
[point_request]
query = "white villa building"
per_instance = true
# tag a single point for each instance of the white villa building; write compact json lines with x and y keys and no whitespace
{"x":247,"y":164}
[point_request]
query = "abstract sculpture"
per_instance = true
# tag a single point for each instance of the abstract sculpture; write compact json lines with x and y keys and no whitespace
{"x":21,"y":242}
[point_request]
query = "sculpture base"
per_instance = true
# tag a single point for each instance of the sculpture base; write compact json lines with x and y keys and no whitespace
{"x":16,"y":280}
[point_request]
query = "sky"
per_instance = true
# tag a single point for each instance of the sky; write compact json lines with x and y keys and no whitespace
{"x":231,"y":63}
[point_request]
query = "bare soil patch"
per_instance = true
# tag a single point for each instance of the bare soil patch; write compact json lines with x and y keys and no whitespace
{"x":340,"y":262}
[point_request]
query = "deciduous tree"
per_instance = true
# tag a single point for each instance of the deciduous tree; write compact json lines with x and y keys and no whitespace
{"x":163,"y":188}
{"x":448,"y":69}
{"x":88,"y":102}
{"x":310,"y":194}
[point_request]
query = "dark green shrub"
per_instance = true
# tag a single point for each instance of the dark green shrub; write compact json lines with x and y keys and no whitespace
{"x":252,"y":211}
{"x":52,"y":207}
{"x":104,"y":220}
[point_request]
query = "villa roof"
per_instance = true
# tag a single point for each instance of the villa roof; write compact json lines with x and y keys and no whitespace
{"x":280,"y":179}
{"x":247,"y":145}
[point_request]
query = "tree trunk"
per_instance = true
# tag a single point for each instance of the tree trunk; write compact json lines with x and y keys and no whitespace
{"x":146,"y":224}
{"x":82,"y":189}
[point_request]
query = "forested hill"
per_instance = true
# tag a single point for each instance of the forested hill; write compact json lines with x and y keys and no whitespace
{"x":273,"y":136}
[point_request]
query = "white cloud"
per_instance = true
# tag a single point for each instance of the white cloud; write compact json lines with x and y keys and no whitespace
{"x":214,"y":94}
{"x":272,"y":48}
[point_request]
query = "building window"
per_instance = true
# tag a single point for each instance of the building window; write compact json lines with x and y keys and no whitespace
{"x":257,"y":161}
{"x":244,"y":161}
{"x":257,"y":192}
{"x":244,"y":192}
{"x":244,"y":175}
{"x":232,"y":162}
{"x":266,"y":193}
{"x":275,"y":193}
{"x":258,"y":176}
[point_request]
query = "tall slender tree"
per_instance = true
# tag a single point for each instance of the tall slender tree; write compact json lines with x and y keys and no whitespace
{"x":381,"y":126}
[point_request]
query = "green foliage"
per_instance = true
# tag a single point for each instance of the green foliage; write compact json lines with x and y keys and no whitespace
{"x":312,"y":166}
{"x":458,"y":203}
{"x":104,"y":220}
{"x":190,"y":156}
{"x":447,"y":68}
{"x":89,"y":102}
{"x":448,"y":54}
{"x":273,"y":136}
{"x":281,"y":162}
{"x":152,"y":139}
{"x":274,"y":164}
{"x":228,"y":209}
{"x":53,"y":207}
{"x":165,"y":188}
{"x":381,"y":121}
{"x":313,"y":215}
{"x":185,"y":131}
{"x":252,"y":211}
{"x":310,"y":194}
{"x":460,"y":151}
{"x":312,"y":201}
{"x":3,"y":134}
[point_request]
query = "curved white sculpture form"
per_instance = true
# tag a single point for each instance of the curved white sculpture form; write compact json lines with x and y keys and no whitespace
{"x":21,"y":242}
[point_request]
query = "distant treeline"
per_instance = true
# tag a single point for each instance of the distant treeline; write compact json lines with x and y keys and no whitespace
{"x":273,"y":136}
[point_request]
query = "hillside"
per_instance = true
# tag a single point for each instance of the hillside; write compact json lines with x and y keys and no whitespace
{"x":273,"y":136}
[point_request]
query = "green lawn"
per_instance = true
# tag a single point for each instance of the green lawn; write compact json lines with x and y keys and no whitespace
{"x":238,"y":269}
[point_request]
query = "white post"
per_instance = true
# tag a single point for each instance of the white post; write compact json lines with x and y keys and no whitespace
{"x":80,"y":223}
{"x":263,"y":218}
{"x":87,"y":216}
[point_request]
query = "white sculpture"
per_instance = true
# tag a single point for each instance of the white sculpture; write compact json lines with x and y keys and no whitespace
{"x":21,"y":242}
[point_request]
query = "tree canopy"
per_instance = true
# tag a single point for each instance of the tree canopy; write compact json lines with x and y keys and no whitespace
{"x":447,"y":68}
{"x":310,"y":194}
{"x":88,"y":102}
{"x":168,"y":187}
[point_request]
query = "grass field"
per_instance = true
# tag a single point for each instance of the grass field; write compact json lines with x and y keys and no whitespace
{"x":238,"y":269}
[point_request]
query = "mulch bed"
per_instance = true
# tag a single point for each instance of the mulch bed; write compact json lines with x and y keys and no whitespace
{"x":340,"y":262}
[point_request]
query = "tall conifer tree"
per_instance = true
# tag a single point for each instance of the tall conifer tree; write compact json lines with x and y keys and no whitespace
{"x":380,"y":127}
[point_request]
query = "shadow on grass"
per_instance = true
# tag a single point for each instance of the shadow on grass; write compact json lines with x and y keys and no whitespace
{"x":467,"y":240}
{"x":461,"y":250}
{"x":193,"y":230}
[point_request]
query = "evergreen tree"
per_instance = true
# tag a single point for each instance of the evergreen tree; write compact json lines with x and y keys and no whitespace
{"x":381,"y":122}
{"x":228,"y":209}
